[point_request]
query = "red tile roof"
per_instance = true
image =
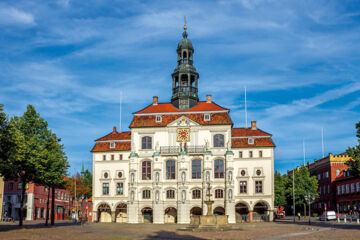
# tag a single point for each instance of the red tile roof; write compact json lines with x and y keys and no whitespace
{"x":105,"y":147}
{"x":168,"y":107}
{"x":247,"y":132}
{"x":149,"y":120}
{"x":114,"y":135}
{"x":258,"y":142}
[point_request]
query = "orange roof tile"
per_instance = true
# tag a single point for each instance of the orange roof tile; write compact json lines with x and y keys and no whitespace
{"x":247,"y":132}
{"x":114,"y":135}
{"x":168,"y":107}
{"x":149,"y":120}
{"x":105,"y":147}
{"x":258,"y":142}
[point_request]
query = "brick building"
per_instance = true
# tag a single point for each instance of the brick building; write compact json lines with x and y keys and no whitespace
{"x":347,"y":192}
{"x":35,"y":201}
{"x":327,"y":170}
{"x":1,"y":197}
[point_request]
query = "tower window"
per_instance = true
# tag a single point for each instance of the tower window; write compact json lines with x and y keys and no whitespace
{"x":207,"y":117}
{"x":158,"y":118}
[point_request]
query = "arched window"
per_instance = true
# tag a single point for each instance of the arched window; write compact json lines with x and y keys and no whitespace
{"x":170,"y":169}
{"x":218,"y":140}
{"x":146,"y":142}
{"x":219,"y":193}
{"x":146,"y":194}
{"x":146,"y":170}
{"x":196,"y":194}
{"x":196,"y":169}
{"x":184,"y":55}
{"x":170,"y":194}
{"x":219,"y":168}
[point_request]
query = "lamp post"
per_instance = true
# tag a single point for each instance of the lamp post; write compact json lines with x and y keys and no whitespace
{"x":309,"y":198}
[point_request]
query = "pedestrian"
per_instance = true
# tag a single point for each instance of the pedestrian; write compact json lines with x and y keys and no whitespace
{"x":298,"y":215}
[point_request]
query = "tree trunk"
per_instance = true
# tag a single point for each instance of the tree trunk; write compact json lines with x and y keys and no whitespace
{"x":52,"y":205}
{"x":22,"y":203}
{"x":47,"y":207}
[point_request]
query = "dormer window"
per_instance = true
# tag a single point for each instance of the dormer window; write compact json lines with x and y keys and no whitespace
{"x":112,"y":145}
{"x":250,"y":141}
{"x":158,"y":118}
{"x":207,"y":117}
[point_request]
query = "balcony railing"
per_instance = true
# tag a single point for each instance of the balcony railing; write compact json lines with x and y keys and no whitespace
{"x":185,"y":89}
{"x":169,"y":150}
{"x":195,"y":149}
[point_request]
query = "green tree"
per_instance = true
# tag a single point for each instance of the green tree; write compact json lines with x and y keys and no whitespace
{"x":354,"y":153}
{"x":304,"y":184}
{"x":280,"y":189}
{"x":54,"y":170}
{"x":26,"y":136}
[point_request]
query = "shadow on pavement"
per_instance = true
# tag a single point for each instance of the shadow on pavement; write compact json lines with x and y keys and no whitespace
{"x":336,"y":225}
{"x":32,"y":225}
{"x":171,"y":235}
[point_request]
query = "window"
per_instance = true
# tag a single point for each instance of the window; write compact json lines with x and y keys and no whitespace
{"x":250,"y":141}
{"x":19,"y":186}
{"x":158,"y":118}
{"x":104,"y":157}
{"x":112,"y":145}
{"x":320,"y":189}
{"x":347,"y":188}
{"x":258,"y":172}
{"x":120,"y":188}
{"x":337,"y":172}
{"x":324,"y":187}
{"x":358,"y":186}
{"x":250,"y":154}
{"x":338,"y":190}
{"x":218,"y":140}
{"x":260,"y":154}
{"x":219,"y":193}
{"x":243,"y":173}
{"x":219,"y":168}
{"x":42,"y":213}
{"x":120,"y":157}
{"x":319,"y":176}
{"x":119,"y":174}
{"x":326,"y":174}
{"x":243,"y":187}
{"x":10,"y":186}
{"x":170,"y":194}
{"x":352,"y":187}
{"x":258,"y":187}
{"x":240,"y":154}
{"x":106,"y":175}
{"x":105,"y":188}
{"x":206,"y":117}
{"x":342,"y":189}
{"x":146,"y":142}
{"x":146,"y":170}
{"x":196,"y":194}
{"x":196,"y":169}
{"x":112,"y":156}
{"x":328,"y":188}
{"x":170,"y":169}
{"x":146,"y":194}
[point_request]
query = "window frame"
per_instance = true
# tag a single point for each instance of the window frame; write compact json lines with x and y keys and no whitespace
{"x":105,"y":189}
{"x":170,"y":194}
{"x":146,"y":194}
{"x":158,"y":118}
{"x":197,"y":167}
{"x":195,"y":195}
{"x":119,"y":188}
{"x":219,"y":140}
{"x":219,"y":193}
{"x":146,"y":143}
{"x":243,"y":187}
{"x":218,"y":173}
{"x":207,"y":117}
{"x":170,"y":169}
{"x":259,"y":186}
{"x":146,"y":170}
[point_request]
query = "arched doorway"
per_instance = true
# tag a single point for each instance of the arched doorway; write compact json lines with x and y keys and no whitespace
{"x":196,"y":211}
{"x":170,"y":215}
{"x":242,"y":212}
{"x":121,"y":213}
{"x":104,"y":213}
{"x":147,"y":214}
{"x":219,"y":211}
{"x":261,"y":212}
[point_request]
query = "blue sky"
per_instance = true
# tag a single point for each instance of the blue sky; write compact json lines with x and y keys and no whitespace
{"x":298,"y":59}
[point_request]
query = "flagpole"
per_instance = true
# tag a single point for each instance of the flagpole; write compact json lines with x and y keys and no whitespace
{"x":245,"y":111}
{"x":322,"y":142}
{"x":304,"y":151}
{"x":120,"y":130}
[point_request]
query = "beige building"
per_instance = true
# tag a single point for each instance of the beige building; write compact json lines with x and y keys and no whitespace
{"x":159,"y":171}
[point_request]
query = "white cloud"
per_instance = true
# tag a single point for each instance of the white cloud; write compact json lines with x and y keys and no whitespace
{"x":10,"y":15}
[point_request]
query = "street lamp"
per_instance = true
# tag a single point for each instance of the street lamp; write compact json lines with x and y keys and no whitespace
{"x":309,"y":198}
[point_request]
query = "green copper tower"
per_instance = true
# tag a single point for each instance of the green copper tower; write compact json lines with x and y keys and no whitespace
{"x":185,"y":77}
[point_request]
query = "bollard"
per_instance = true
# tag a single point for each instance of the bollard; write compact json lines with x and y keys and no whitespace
{"x":357,"y":221}
{"x":338,"y":219}
{"x":345,"y":219}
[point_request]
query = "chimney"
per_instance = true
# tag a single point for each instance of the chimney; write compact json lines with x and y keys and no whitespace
{"x":114,"y":129}
{"x":208,"y":98}
{"x":155,"y":100}
{"x":253,"y":125}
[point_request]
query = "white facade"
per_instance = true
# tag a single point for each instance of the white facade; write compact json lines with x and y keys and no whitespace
{"x":158,"y":204}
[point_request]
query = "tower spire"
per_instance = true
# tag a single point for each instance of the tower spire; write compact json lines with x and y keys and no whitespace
{"x":185,"y":27}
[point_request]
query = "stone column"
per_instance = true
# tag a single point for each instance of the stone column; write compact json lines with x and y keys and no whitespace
{"x":30,"y":206}
{"x":94,"y":216}
{"x":271,"y":215}
{"x":230,"y":209}
{"x":158,"y":213}
{"x":133,"y":213}
{"x":113,"y":216}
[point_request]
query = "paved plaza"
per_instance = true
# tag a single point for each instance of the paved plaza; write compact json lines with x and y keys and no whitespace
{"x":275,"y":230}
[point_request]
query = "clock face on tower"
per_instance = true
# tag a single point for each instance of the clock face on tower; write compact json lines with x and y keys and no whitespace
{"x":183,"y":135}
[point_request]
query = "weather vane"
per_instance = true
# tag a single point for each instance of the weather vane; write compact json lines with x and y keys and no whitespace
{"x":185,"y":27}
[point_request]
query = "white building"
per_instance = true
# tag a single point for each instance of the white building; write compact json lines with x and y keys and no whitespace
{"x":159,"y":171}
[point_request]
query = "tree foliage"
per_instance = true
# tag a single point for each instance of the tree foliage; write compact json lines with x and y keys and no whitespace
{"x":354,"y":153}
{"x":83,"y":182}
{"x":280,"y":189}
